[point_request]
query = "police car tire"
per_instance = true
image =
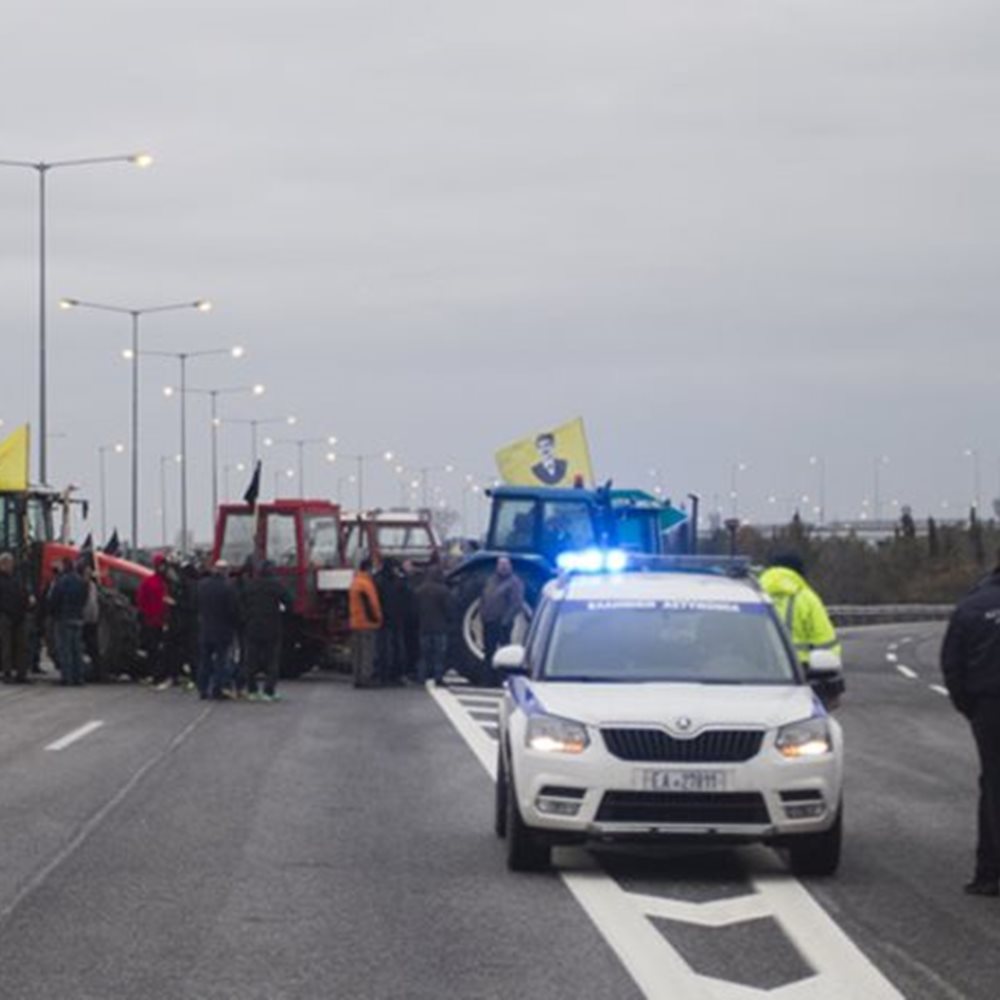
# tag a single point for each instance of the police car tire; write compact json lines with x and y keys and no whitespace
{"x":818,"y":854}
{"x":500,"y":803}
{"x":525,"y":852}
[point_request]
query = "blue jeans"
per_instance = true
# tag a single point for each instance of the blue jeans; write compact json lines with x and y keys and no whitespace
{"x":69,"y":640}
{"x":433,"y":648}
{"x":214,"y":666}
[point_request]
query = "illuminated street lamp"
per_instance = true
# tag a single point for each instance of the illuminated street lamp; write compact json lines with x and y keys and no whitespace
{"x":132,"y":354}
{"x":102,"y":451}
{"x":300,"y":443}
{"x":255,"y":424}
{"x":385,"y":456}
{"x":42,"y":168}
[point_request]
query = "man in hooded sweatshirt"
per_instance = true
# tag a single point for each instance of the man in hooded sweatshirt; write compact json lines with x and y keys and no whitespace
{"x":799,"y":606}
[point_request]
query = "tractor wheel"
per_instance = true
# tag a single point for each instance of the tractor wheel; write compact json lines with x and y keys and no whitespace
{"x":117,"y":636}
{"x":465,"y":648}
{"x":298,"y":653}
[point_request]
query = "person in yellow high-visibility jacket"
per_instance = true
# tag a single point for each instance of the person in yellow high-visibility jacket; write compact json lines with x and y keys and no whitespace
{"x":799,"y":607}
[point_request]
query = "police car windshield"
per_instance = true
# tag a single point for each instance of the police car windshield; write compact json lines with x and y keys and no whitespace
{"x":701,"y":642}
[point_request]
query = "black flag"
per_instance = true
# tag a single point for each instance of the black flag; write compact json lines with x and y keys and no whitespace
{"x":88,"y":543}
{"x":253,"y":490}
{"x":113,"y":546}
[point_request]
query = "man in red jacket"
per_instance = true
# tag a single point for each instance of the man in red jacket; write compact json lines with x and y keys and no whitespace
{"x":153,"y":600}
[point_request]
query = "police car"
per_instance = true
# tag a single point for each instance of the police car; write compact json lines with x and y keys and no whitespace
{"x":664,"y":700}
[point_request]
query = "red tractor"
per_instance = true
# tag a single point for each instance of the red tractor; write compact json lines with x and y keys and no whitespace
{"x":302,"y":540}
{"x":401,"y":534}
{"x":27,"y":530}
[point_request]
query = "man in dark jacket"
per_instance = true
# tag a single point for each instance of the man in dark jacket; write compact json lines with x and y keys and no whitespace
{"x":433,"y":600}
{"x":263,"y":601}
{"x":218,"y":620}
{"x":501,"y":603}
{"x":14,"y":604}
{"x":970,"y":662}
{"x":67,"y":600}
{"x":391,"y":652}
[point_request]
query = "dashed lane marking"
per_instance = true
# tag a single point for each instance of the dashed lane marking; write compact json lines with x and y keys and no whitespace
{"x":77,"y":734}
{"x":625,"y":919}
{"x":939,"y":689}
{"x":891,"y":657}
{"x":906,"y":671}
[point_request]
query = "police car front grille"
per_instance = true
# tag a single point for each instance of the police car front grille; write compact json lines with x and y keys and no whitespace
{"x":713,"y":746}
{"x":701,"y":808}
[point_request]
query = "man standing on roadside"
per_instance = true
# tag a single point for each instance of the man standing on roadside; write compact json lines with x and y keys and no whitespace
{"x":263,"y":601}
{"x":970,"y":662}
{"x":501,"y":603}
{"x":152,"y":600}
{"x":218,"y":620}
{"x":365,"y":621}
{"x":14,"y":604}
{"x":67,"y":600}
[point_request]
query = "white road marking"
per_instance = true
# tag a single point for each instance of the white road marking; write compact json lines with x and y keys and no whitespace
{"x":906,"y":671}
{"x":939,"y":689}
{"x":78,"y":734}
{"x":658,"y":969}
{"x":891,"y":657}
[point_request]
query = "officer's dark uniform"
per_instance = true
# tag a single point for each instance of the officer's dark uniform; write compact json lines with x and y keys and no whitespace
{"x":970,"y":661}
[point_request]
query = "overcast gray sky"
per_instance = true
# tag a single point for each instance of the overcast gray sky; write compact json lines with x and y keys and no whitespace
{"x":720,"y":230}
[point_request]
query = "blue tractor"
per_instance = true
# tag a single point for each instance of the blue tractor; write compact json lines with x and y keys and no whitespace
{"x":532,"y":526}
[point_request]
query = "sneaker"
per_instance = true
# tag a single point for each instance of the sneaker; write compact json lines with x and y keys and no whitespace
{"x":163,"y":686}
{"x":265,"y":697}
{"x":253,"y":696}
{"x":982,"y":887}
{"x":277,"y":697}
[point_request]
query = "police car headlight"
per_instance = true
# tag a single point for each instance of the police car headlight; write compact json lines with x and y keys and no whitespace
{"x":550,"y":734}
{"x":808,"y":738}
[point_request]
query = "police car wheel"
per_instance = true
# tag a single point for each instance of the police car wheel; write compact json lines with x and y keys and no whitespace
{"x":525,"y":852}
{"x":500,"y":803}
{"x":818,"y":854}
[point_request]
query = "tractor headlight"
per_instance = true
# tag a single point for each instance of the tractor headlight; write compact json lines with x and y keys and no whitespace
{"x":808,"y":738}
{"x":550,"y":734}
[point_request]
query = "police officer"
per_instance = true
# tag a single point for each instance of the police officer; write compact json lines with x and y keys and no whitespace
{"x":970,"y":662}
{"x":799,"y":606}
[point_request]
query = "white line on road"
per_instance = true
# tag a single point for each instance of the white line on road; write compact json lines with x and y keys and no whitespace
{"x":891,"y":657}
{"x":939,"y":689}
{"x":906,"y":671}
{"x":78,"y":734}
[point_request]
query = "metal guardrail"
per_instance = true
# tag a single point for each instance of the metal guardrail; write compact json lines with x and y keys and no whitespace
{"x":887,"y":614}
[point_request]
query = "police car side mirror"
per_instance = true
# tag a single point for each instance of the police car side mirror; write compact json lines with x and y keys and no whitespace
{"x":825,"y":675}
{"x":509,"y":660}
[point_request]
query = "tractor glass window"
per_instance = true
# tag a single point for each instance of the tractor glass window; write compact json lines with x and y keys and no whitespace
{"x":638,"y":531}
{"x":39,"y":522}
{"x":323,"y":541}
{"x":354,"y":545}
{"x":405,"y":540}
{"x":514,"y":525}
{"x":237,"y":539}
{"x":282,"y":548}
{"x":566,"y":526}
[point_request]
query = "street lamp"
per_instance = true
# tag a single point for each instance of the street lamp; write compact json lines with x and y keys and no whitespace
{"x":255,"y":424}
{"x":300,"y":443}
{"x":213,"y":394}
{"x":734,"y":470}
{"x":385,"y":456}
{"x":226,"y":469}
{"x":132,"y":354}
{"x":973,"y":453}
{"x":102,"y":451}
{"x":287,"y":473}
{"x":164,"y":461}
{"x":42,"y":168}
{"x":425,"y":472}
{"x":182,"y":357}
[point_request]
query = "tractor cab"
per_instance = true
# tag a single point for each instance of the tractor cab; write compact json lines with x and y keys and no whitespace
{"x":399,"y":534}
{"x":302,"y":540}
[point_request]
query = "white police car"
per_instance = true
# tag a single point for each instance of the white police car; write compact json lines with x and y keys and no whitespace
{"x":656,"y":702}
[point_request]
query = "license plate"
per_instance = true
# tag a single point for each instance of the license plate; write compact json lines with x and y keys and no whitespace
{"x":680,"y":781}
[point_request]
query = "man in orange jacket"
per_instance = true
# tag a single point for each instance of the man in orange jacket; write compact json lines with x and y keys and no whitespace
{"x":365,"y":621}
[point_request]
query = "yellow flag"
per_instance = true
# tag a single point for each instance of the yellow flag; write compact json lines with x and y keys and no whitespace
{"x":557,"y":457}
{"x":14,"y":460}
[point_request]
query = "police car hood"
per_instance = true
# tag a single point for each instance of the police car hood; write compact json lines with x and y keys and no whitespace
{"x":681,"y":708}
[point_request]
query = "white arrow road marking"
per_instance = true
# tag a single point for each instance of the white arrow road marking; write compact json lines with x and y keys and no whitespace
{"x":78,"y":734}
{"x":840,"y":968}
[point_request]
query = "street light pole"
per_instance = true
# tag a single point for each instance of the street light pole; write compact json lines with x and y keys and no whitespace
{"x":42,"y":168}
{"x":202,"y":305}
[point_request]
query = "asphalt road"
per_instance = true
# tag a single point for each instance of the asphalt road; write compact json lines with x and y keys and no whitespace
{"x":338,"y":844}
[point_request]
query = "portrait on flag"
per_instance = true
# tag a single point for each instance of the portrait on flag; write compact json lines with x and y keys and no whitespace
{"x":556,"y":457}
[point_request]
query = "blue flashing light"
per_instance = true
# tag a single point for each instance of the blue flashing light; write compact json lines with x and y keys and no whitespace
{"x":593,"y":561}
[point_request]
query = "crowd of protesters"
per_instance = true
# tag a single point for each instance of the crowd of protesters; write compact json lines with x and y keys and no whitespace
{"x":219,"y":632}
